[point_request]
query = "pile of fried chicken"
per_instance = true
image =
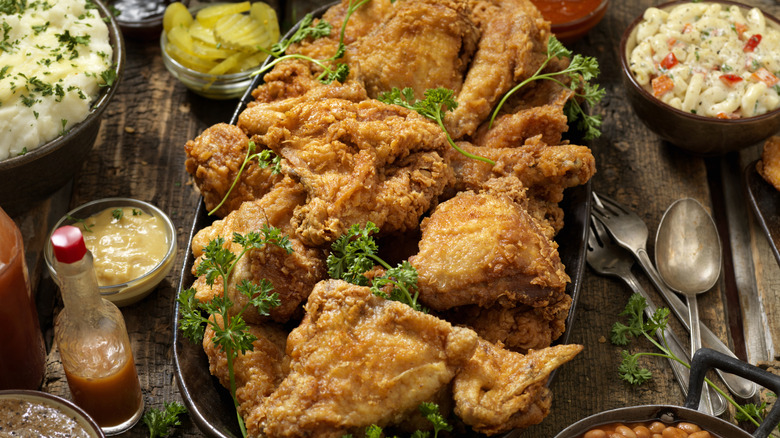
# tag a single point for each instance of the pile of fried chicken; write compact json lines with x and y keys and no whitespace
{"x":334,"y":358}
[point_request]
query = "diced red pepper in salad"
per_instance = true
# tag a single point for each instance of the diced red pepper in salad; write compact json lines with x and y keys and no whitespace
{"x":752,"y":43}
{"x":669,"y":61}
{"x":765,"y":76}
{"x":730,"y":79}
{"x":687,"y":28}
{"x":740,"y":28}
{"x":662,"y":85}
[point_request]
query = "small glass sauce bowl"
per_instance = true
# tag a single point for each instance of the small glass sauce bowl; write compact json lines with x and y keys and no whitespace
{"x":572,"y":19}
{"x":219,"y":87}
{"x":132,"y":291}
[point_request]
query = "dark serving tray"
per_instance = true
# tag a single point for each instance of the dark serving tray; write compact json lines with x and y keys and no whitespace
{"x":210,"y":405}
{"x":765,"y":200}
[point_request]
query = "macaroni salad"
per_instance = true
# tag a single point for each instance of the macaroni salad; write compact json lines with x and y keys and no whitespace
{"x":709,"y":59}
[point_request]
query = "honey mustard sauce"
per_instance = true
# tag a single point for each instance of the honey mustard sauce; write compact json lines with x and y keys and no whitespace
{"x":126,"y":243}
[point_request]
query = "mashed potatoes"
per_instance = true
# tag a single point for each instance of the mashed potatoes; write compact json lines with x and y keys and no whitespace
{"x":54,"y":57}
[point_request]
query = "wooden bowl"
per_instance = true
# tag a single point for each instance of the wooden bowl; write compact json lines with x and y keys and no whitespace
{"x":699,"y":135}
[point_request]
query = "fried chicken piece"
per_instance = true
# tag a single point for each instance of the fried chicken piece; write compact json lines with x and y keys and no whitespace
{"x":360,"y":162}
{"x":545,"y":170}
{"x":293,"y":275}
{"x":257,"y":117}
{"x":343,"y":377}
{"x":769,"y":164}
{"x":499,"y":390}
{"x":424,"y":44}
{"x":485,"y":249}
{"x":512,"y":47}
{"x":214,"y":159}
{"x":257,"y":372}
{"x":520,"y":329}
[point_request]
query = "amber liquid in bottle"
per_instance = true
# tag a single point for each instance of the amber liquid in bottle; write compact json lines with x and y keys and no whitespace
{"x":91,"y":336}
{"x":22,"y":352}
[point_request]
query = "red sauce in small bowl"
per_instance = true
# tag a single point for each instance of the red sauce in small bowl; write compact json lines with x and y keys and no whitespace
{"x":571,"y":19}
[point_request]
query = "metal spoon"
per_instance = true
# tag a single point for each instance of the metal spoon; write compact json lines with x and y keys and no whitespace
{"x":688,"y":256}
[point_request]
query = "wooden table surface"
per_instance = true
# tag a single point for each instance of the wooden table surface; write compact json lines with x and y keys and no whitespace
{"x":139,"y":154}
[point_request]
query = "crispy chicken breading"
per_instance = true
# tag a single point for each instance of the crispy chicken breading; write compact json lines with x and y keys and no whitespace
{"x":769,"y":164}
{"x":519,"y":328}
{"x":214,"y":159}
{"x":292,"y":275}
{"x":499,"y":390}
{"x":359,"y":162}
{"x":424,"y":44}
{"x":512,"y":48}
{"x":485,"y":249}
{"x":257,"y":372}
{"x":358,"y":359}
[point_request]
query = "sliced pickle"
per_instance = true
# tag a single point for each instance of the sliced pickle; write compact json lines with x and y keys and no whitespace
{"x":176,"y":15}
{"x":209,"y":15}
{"x":209,"y":51}
{"x":200,"y":33}
{"x":266,"y":16}
{"x":227,"y":66}
{"x":251,"y":61}
{"x":188,"y":60}
{"x":241,"y":32}
{"x":180,"y":37}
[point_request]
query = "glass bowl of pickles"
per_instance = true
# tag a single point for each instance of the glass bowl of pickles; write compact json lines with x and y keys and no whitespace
{"x":215,"y":49}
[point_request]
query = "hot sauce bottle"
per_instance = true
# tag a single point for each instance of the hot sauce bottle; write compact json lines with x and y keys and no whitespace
{"x":22,"y":352}
{"x":92,"y":339}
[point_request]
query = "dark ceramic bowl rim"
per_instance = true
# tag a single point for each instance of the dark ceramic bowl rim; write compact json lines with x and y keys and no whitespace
{"x":584,"y":19}
{"x":57,"y":400}
{"x":624,"y":68}
{"x":97,"y":108}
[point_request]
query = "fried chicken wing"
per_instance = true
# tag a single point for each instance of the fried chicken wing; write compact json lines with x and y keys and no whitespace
{"x":214,"y":160}
{"x":485,"y":249}
{"x":359,"y":162}
{"x":499,"y":390}
{"x":343,"y":378}
{"x":512,"y":47}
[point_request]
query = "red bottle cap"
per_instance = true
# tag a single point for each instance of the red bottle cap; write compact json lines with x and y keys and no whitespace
{"x":68,"y":244}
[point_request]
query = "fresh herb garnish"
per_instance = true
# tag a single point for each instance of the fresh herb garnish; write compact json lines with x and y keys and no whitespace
{"x":437,"y":101}
{"x":160,"y":421}
{"x":580,"y":71}
{"x":108,"y":76}
{"x":84,"y":226}
{"x":305,"y":30}
{"x":637,"y":326}
{"x":264,"y":159}
{"x":431,"y":413}
{"x":355,"y":252}
{"x":117,"y":213}
{"x":231,"y":336}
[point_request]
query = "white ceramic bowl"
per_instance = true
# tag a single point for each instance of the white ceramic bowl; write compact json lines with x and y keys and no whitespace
{"x":130,"y":292}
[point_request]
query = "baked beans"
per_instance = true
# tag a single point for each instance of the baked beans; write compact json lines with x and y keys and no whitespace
{"x":648,"y":429}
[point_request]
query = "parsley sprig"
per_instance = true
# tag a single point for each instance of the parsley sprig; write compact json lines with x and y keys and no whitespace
{"x":232,"y":335}
{"x":355,"y":252}
{"x":160,"y":421}
{"x":436,"y":103}
{"x":580,"y":71}
{"x":305,"y":30}
{"x":264,"y":159}
{"x":431,"y":413}
{"x":637,"y":326}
